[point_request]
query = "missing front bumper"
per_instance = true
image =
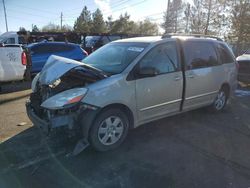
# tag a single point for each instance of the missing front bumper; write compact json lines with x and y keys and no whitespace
{"x":36,"y":120}
{"x":67,"y":121}
{"x":77,"y":124}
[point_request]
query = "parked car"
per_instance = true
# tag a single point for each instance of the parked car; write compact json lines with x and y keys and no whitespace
{"x":130,"y":82}
{"x":92,"y":43}
{"x":244,"y":67}
{"x":40,"y":53}
{"x":13,"y":61}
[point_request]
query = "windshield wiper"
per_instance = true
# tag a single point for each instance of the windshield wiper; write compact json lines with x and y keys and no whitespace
{"x":104,"y":74}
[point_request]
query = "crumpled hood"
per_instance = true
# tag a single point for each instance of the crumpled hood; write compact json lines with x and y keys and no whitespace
{"x":244,"y":57}
{"x":55,"y":67}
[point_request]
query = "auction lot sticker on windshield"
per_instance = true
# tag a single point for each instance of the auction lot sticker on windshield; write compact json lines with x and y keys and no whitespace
{"x":135,"y":49}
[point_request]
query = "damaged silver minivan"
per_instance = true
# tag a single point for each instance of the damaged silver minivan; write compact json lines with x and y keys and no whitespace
{"x":130,"y":82}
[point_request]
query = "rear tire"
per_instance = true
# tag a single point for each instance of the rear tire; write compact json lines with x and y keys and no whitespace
{"x":109,"y":130}
{"x":220,"y":100}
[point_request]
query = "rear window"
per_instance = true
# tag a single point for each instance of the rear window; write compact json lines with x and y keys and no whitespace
{"x":51,"y":48}
{"x":199,"y":54}
{"x":10,"y":41}
{"x":61,"y":48}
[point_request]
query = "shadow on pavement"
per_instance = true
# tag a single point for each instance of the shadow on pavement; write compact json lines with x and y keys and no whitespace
{"x":3,"y":101}
{"x":14,"y":86}
{"x":195,"y":149}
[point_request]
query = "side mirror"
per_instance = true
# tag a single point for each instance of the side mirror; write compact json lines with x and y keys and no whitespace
{"x":148,"y":71}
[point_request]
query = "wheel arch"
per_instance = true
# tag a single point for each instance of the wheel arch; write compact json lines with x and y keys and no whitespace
{"x":123,"y":108}
{"x":227,"y":88}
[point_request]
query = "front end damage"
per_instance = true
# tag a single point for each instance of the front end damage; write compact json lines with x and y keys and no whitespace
{"x":57,"y":99}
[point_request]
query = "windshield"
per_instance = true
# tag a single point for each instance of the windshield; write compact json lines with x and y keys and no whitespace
{"x":113,"y":58}
{"x":248,"y":51}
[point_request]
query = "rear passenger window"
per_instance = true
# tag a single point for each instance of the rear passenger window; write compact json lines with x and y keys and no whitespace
{"x":199,"y":54}
{"x":61,"y":48}
{"x":224,"y":54}
{"x":40,"y":49}
{"x":163,"y":58}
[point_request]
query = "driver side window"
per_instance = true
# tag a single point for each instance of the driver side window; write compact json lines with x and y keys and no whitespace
{"x":163,"y":58}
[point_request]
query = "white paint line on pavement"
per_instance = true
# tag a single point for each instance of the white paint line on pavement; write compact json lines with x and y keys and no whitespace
{"x":38,"y":160}
{"x":30,"y":162}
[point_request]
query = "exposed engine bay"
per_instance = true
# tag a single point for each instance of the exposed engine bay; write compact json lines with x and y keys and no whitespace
{"x":77,"y":77}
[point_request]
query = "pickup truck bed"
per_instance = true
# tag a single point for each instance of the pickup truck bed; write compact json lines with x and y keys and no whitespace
{"x":12,"y":63}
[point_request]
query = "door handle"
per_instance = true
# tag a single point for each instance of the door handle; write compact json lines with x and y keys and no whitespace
{"x":177,"y":78}
{"x":190,"y":76}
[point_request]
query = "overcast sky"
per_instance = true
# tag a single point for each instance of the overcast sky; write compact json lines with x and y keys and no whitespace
{"x":24,"y":13}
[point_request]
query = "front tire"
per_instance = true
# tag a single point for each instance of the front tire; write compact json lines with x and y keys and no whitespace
{"x":109,"y":130}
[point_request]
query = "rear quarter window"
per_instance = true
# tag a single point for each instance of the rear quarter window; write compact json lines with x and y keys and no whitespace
{"x":199,"y":54}
{"x":61,"y":48}
{"x":40,"y":49}
{"x":224,"y":54}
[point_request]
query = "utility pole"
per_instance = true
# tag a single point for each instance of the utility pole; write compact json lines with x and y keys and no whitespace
{"x":168,"y":8}
{"x":208,"y":17}
{"x":61,"y":19}
{"x":6,"y":23}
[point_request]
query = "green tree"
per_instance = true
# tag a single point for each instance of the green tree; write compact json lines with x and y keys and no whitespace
{"x":109,"y":23}
{"x":124,"y":25}
{"x":55,"y":28}
{"x":66,"y":28}
{"x":22,"y":29}
{"x":240,"y":31}
{"x":197,"y":17}
{"x":84,"y":22}
{"x":98,"y":24}
{"x":35,"y":29}
{"x":146,"y":27}
{"x":173,"y":17}
{"x":51,"y":28}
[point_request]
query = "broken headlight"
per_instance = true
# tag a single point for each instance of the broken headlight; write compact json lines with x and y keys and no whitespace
{"x":64,"y":99}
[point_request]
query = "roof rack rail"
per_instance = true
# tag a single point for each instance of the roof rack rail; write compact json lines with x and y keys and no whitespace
{"x":169,"y":35}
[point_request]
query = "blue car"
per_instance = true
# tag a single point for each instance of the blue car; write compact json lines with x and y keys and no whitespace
{"x":40,"y":52}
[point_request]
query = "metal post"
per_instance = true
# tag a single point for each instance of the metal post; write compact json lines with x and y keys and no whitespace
{"x":6,"y":23}
{"x":61,"y":19}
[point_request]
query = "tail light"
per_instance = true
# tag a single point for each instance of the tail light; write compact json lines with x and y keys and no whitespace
{"x":84,"y":52}
{"x":24,"y":58}
{"x":237,"y":65}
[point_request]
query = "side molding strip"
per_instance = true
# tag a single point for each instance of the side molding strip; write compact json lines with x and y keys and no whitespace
{"x":162,"y":104}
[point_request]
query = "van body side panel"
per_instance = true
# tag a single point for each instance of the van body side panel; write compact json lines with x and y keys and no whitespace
{"x":112,"y":90}
{"x":158,"y":96}
{"x":202,"y":86}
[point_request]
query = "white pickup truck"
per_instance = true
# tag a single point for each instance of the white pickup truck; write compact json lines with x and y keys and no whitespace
{"x":13,"y":61}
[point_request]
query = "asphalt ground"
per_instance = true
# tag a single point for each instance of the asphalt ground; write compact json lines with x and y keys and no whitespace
{"x":193,"y":149}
